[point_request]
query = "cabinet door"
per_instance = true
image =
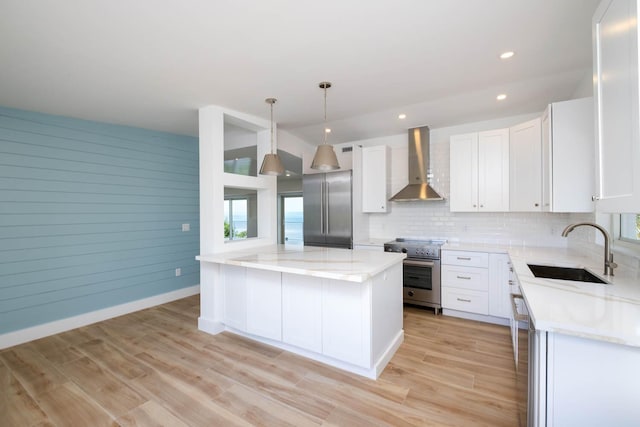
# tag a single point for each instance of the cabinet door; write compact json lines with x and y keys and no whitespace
{"x":617,"y":127}
{"x":572,"y":145}
{"x":493,"y":171}
{"x":264,"y":303}
{"x":499,"y":289}
{"x":546,"y":124}
{"x":235,"y":296}
{"x":525,"y":164}
{"x":302,"y":311}
{"x":374,"y":179}
{"x":346,"y":321}
{"x":463,"y":163}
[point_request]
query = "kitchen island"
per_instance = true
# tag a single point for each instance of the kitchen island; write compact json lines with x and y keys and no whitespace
{"x":337,"y":306}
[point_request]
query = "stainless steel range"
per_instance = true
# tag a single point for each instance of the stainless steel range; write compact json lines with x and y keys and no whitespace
{"x":421,"y":270}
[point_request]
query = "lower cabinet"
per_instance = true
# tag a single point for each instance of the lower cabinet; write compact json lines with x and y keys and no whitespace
{"x":264,"y":303}
{"x":571,"y":386}
{"x":476,"y":282}
{"x":302,"y":311}
{"x":344,"y":320}
{"x":235,"y":297}
{"x":500,"y":286}
{"x":465,"y":281}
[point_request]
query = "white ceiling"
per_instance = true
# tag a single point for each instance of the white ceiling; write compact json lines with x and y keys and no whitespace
{"x":153,"y":63}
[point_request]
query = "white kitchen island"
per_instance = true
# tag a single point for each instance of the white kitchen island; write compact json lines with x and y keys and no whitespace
{"x":337,"y":306}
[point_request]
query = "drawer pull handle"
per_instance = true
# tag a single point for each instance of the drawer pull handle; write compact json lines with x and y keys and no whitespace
{"x":463,"y":258}
{"x":463,"y":300}
{"x":463,"y":277}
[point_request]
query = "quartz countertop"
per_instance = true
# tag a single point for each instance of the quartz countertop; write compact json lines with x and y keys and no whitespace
{"x":330,"y":263}
{"x":605,"y":312}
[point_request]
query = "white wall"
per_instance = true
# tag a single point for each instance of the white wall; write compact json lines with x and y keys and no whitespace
{"x":433,"y":219}
{"x":585,"y":87}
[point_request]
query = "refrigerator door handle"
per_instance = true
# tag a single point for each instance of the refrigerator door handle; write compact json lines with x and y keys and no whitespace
{"x":326,"y":205}
{"x":322,"y":208}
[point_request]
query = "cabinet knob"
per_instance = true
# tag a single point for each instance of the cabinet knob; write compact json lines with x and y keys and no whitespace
{"x":536,"y":205}
{"x":595,"y":198}
{"x":482,"y":206}
{"x":475,"y":206}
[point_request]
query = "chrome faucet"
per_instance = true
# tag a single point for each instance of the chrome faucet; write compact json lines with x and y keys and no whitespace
{"x":609,"y":265}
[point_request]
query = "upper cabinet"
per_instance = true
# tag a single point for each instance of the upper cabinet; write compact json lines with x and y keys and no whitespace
{"x":568,"y":156}
{"x":615,"y":38}
{"x":525,"y":191}
{"x":375,"y":178}
{"x":479,"y":165}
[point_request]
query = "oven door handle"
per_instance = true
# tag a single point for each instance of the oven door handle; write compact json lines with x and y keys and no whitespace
{"x":419,"y":263}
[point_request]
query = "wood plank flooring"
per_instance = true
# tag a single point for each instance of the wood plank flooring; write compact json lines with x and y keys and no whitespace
{"x":154,"y":367}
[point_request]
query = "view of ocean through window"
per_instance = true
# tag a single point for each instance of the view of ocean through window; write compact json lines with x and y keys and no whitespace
{"x":293,"y":221}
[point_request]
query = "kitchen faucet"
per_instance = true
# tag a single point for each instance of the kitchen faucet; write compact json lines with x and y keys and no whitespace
{"x":609,"y":265}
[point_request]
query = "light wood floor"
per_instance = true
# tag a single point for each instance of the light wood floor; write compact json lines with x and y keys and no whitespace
{"x":154,"y":367}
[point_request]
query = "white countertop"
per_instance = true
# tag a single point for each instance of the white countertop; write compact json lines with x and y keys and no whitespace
{"x":608,"y":312}
{"x":329,"y":263}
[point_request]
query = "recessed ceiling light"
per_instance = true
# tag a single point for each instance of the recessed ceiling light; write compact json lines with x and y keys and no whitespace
{"x":507,"y":55}
{"x":402,"y":116}
{"x":327,"y":130}
{"x":501,"y":97}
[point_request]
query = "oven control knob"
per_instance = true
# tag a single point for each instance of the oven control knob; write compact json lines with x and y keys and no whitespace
{"x":404,"y":250}
{"x":410,"y":293}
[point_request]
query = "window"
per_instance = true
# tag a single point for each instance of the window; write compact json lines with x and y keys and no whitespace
{"x":240,"y":214}
{"x":630,"y":228}
{"x":292,"y":220}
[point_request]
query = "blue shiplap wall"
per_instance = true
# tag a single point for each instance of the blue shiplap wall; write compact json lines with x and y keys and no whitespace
{"x":91,"y":215}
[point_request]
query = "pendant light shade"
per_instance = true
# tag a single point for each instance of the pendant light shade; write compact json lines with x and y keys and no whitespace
{"x":271,"y":164}
{"x":325,"y":158}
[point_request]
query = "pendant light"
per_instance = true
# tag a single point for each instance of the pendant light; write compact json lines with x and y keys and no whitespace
{"x":271,"y":164}
{"x":325,"y":158}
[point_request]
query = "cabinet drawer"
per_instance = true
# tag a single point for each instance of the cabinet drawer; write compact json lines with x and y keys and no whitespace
{"x":471,"y":259}
{"x":473,"y":278}
{"x":465,"y":300}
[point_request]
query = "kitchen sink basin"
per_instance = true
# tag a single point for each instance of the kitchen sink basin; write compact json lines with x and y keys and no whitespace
{"x":564,"y":273}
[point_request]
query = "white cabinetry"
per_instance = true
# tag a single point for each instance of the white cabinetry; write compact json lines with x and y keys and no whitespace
{"x":568,"y":150}
{"x":571,"y":386}
{"x":525,"y":167}
{"x":375,"y":178}
{"x":264,"y":303}
{"x":499,"y":286}
{"x":344,"y":320}
{"x":617,"y":117}
{"x":235,"y":297}
{"x":302,"y":311}
{"x":479,"y":164}
{"x":465,"y":281}
{"x":477,"y":283}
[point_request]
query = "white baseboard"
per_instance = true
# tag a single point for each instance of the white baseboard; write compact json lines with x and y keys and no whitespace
{"x":388,"y":354}
{"x":477,"y":317}
{"x":46,"y":329}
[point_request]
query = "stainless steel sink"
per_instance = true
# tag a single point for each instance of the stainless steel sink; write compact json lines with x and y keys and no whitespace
{"x":564,"y":273}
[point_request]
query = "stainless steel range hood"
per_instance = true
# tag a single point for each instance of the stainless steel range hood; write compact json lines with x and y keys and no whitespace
{"x":418,"y":188}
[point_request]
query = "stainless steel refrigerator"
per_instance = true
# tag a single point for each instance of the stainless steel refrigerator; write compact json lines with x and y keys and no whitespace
{"x":328,"y":209}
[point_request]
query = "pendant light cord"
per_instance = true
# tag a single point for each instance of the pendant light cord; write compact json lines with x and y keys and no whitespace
{"x":325,"y":113}
{"x":272,"y":128}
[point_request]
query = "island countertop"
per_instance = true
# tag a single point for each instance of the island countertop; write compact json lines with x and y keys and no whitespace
{"x":330,"y":263}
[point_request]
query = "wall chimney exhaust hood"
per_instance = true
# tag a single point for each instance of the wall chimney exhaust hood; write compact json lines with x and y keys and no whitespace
{"x":418,"y":188}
